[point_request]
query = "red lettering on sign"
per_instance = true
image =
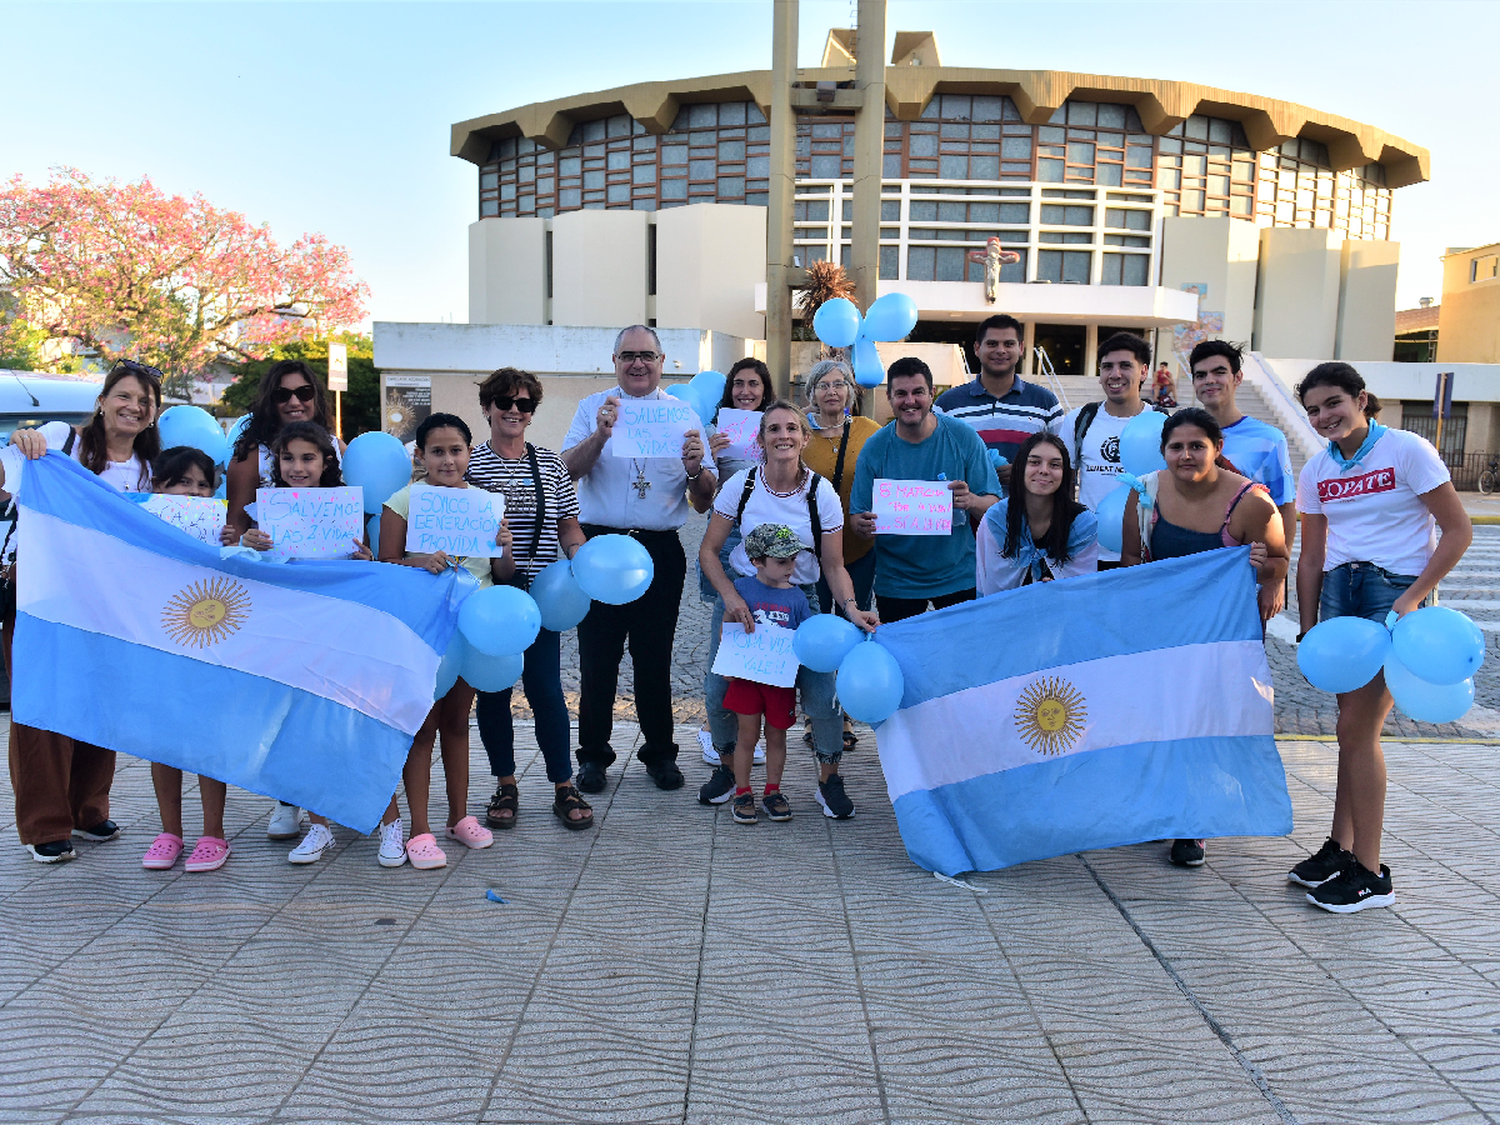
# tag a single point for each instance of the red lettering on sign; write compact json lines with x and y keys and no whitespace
{"x":1346,"y":488}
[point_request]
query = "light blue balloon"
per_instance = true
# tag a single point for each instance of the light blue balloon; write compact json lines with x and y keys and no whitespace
{"x":614,"y":569}
{"x":823,"y":640}
{"x":1140,"y":443}
{"x":489,"y":673}
{"x":372,"y":525}
{"x":237,"y":427}
{"x":891,"y":318}
{"x":1438,"y":644}
{"x":870,"y":684}
{"x":680,"y":390}
{"x":500,"y":620}
{"x":837,"y":322}
{"x":222,"y":492}
{"x":1111,"y":517}
{"x":378,"y":463}
{"x":867,"y":369}
{"x":448,"y":667}
{"x":1343,"y":653}
{"x":193,"y":426}
{"x":1425,"y":702}
{"x":708,"y":390}
{"x":559,"y":596}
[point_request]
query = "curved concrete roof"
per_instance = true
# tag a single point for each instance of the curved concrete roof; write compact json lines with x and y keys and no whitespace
{"x":1038,"y":94}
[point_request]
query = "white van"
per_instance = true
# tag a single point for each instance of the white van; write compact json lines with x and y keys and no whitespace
{"x":29,"y":398}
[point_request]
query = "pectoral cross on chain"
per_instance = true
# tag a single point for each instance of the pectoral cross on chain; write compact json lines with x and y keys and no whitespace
{"x":641,"y":483}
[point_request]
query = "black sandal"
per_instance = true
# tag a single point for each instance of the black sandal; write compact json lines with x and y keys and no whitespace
{"x":505,"y":800}
{"x":565,"y":802}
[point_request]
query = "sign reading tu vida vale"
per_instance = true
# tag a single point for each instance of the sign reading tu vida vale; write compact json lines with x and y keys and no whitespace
{"x":912,"y":507}
{"x":311,"y":523}
{"x":651,"y":427}
{"x":763,"y":657}
{"x":461,"y":522}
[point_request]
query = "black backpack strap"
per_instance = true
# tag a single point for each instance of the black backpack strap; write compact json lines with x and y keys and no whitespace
{"x":524,"y":577}
{"x":70,"y":442}
{"x":814,"y":519}
{"x":745,"y":496}
{"x":838,"y":468}
{"x":1086,"y":415}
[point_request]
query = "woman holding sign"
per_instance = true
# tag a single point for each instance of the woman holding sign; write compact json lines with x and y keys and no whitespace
{"x":782,"y":490}
{"x":541,"y":508}
{"x":442,"y":450}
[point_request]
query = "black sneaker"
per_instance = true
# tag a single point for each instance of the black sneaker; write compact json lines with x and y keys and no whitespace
{"x":1187,"y":853}
{"x":835,"y":802}
{"x":1355,"y":888}
{"x":718,"y":788}
{"x":104,"y":830}
{"x":1321,"y":866}
{"x":665,"y":773}
{"x":590,"y":777}
{"x":777,"y":807}
{"x":54,"y":851}
{"x":744,"y":809}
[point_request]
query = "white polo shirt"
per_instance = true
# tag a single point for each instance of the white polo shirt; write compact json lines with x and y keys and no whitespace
{"x":607,"y":494}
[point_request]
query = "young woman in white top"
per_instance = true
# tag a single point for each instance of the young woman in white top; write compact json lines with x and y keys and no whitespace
{"x":1370,"y":503}
{"x":779,"y":493}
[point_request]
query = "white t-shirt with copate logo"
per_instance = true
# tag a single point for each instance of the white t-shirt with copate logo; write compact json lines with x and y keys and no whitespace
{"x":1374,"y":509}
{"x":1096,"y":459}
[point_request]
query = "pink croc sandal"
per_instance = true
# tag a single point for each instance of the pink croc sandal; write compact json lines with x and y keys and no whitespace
{"x":424,"y":853}
{"x":471,"y":832}
{"x":163,"y":852}
{"x":209,"y":854}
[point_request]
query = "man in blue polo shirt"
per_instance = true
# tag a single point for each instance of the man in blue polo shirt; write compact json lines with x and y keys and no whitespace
{"x":1003,"y":409}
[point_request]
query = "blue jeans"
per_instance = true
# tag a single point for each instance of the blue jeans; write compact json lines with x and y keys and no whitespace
{"x":1361,"y":589}
{"x":816,"y":690}
{"x":541,"y":676}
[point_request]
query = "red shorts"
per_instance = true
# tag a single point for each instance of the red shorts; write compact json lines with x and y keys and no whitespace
{"x":746,"y":697}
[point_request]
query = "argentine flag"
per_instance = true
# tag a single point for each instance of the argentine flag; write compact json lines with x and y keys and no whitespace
{"x":1096,"y":711}
{"x":302,"y":682}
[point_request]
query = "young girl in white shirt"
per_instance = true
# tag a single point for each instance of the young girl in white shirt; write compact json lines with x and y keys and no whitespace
{"x":1369,"y":503}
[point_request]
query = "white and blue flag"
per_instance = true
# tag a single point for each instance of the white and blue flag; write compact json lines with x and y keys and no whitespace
{"x":302,"y":682}
{"x":1097,"y":711}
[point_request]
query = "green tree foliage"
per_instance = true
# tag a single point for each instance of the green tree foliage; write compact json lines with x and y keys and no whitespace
{"x":361,"y":400}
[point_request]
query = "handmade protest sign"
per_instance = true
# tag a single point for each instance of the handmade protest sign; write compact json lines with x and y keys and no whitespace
{"x":912,"y":507}
{"x":457,"y":521}
{"x":311,"y":523}
{"x":202,"y":517}
{"x":651,"y":427}
{"x":743,"y":430}
{"x":763,"y":657}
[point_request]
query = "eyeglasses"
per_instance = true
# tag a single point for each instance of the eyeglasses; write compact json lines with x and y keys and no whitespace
{"x":505,"y":402}
{"x":825,"y":384}
{"x":130,"y":365}
{"x":628,"y":358}
{"x":284,"y":395}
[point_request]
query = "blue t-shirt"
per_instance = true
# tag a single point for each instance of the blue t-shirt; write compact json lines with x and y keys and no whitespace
{"x":925,"y":566}
{"x":773,"y":606}
{"x":1258,"y":450}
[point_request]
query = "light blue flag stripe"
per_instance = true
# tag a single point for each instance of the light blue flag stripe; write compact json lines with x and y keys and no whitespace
{"x":232,"y":726}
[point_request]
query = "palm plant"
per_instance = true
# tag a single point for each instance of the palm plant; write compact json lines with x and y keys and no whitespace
{"x":825,"y":281}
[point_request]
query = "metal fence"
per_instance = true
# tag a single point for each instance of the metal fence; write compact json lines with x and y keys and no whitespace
{"x":1466,"y":468}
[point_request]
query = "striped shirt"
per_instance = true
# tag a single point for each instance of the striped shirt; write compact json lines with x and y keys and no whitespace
{"x":513,"y":479}
{"x":1003,"y":423}
{"x":1258,"y":450}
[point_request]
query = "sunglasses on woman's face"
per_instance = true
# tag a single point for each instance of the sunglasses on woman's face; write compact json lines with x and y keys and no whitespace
{"x":284,"y":395}
{"x":505,"y":402}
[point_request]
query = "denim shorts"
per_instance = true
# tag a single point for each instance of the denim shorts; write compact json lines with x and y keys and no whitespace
{"x":1361,"y":589}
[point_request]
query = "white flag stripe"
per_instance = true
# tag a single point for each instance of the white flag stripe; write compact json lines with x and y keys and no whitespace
{"x":343,"y":651}
{"x":1219,"y":689}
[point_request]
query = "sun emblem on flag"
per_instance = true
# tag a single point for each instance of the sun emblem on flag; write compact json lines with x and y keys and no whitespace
{"x":1050,"y":715}
{"x":204,"y":613}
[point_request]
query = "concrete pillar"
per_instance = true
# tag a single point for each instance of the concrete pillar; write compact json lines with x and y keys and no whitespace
{"x":780,"y":199}
{"x":869,"y":150}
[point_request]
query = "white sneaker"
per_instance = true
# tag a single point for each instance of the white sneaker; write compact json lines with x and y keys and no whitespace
{"x":317,"y":841}
{"x":711,"y":756}
{"x":392,"y":844}
{"x":286,"y":822}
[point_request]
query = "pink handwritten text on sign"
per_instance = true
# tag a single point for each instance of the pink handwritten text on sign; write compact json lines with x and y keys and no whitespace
{"x":912,"y":507}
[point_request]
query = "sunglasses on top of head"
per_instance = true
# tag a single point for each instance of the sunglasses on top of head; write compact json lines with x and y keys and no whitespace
{"x":284,"y":395}
{"x":505,"y":402}
{"x":130,"y":365}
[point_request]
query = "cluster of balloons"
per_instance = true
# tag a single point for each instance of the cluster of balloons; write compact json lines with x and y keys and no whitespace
{"x":870,"y":684}
{"x":838,"y":324}
{"x":378,"y":463}
{"x":703,"y":392}
{"x":1429,"y":659}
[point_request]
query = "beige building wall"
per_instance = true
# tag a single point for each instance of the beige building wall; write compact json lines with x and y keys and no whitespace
{"x":1367,"y":300}
{"x":507,"y":271}
{"x":1297,"y":311}
{"x":599,"y":268}
{"x":1222,"y":254}
{"x":1469,"y":315}
{"x":709,"y":259}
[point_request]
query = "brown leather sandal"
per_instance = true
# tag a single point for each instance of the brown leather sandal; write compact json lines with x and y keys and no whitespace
{"x":567,"y":800}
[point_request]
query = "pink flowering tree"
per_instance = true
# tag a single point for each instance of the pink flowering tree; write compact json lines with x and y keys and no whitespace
{"x":114,"y":269}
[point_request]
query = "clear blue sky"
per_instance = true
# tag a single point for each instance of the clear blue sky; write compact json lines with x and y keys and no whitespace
{"x":335,"y":117}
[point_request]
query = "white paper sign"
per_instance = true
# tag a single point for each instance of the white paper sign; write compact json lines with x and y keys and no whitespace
{"x":912,"y":507}
{"x":763,"y":657}
{"x":202,"y":517}
{"x":743,"y":429}
{"x":311,"y":523}
{"x":460,"y":522}
{"x":651,"y":427}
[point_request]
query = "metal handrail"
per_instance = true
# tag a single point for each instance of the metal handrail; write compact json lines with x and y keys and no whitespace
{"x":1044,"y":365}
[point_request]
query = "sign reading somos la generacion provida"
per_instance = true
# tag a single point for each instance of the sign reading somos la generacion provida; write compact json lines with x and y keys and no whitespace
{"x":457,"y":521}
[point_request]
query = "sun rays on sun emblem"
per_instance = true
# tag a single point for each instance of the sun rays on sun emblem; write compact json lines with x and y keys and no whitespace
{"x":205,"y":613}
{"x":1050,"y":715}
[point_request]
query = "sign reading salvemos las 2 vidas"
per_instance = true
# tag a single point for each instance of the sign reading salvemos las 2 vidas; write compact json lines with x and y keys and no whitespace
{"x":311,"y":523}
{"x":651,"y":427}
